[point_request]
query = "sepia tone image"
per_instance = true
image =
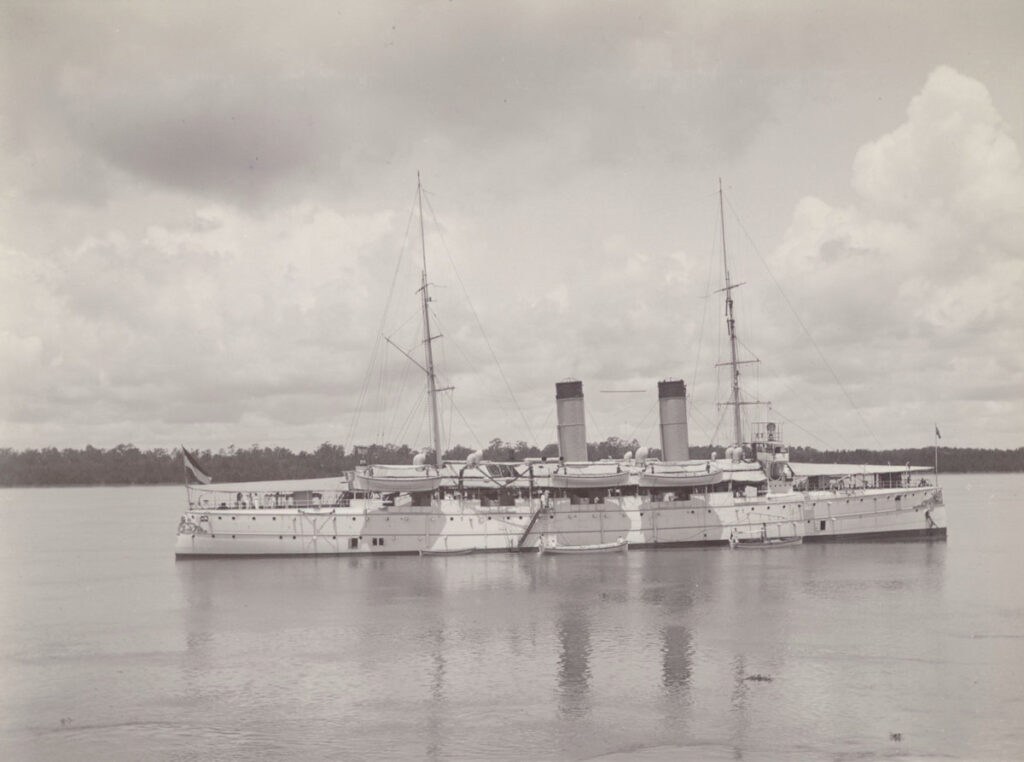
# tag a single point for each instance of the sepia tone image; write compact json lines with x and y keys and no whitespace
{"x":514,"y":380}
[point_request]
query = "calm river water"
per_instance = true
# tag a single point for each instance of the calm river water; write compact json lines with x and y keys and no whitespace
{"x":109,"y":649}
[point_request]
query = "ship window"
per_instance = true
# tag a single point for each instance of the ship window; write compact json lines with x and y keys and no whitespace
{"x":823,"y":525}
{"x":353,"y":542}
{"x":380,"y":540}
{"x":253,"y":518}
{"x":273,"y":518}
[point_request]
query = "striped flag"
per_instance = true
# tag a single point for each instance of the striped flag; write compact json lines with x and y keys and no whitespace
{"x":193,"y":466}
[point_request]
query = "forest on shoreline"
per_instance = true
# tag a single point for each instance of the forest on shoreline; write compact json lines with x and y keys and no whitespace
{"x":126,"y":464}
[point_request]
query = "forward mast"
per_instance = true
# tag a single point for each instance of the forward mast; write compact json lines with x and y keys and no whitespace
{"x":428,"y":339}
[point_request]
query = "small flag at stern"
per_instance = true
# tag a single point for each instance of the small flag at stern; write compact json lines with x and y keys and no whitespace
{"x":937,"y":434}
{"x":193,"y":466}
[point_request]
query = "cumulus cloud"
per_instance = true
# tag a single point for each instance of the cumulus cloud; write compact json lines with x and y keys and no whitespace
{"x":189,"y":324}
{"x":938,"y":232}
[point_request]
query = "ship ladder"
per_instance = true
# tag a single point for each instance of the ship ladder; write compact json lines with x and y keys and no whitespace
{"x":544,"y":505}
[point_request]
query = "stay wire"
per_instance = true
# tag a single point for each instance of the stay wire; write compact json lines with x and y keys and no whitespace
{"x":803,"y":327}
{"x":476,"y":317}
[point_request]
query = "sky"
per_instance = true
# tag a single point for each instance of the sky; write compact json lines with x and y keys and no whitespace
{"x":208,"y":219}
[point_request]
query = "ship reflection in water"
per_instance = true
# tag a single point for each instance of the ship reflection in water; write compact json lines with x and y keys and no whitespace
{"x":594,"y":649}
{"x":573,"y":660}
{"x":676,"y":659}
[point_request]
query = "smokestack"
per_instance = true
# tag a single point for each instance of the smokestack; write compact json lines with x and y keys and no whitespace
{"x":675,"y":441}
{"x":572,"y":427}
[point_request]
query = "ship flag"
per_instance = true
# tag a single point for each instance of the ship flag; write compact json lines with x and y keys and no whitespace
{"x":937,"y":434}
{"x":193,"y":466}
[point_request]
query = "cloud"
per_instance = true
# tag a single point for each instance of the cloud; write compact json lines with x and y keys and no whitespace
{"x":938,"y":232}
{"x":204,"y":203}
{"x":263,"y":107}
{"x":189,"y":324}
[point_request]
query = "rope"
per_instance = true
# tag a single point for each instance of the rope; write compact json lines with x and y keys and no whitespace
{"x":804,"y":329}
{"x":379,"y":338}
{"x":476,"y":317}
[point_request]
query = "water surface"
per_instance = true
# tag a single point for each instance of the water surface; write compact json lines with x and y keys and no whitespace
{"x":110,"y":649}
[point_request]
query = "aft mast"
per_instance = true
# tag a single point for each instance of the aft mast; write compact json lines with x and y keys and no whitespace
{"x":730,"y":321}
{"x":428,"y":339}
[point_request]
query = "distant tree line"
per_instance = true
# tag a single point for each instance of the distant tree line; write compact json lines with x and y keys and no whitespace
{"x":126,"y":464}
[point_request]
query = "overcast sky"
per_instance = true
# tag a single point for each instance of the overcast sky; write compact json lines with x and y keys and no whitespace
{"x":205,"y":205}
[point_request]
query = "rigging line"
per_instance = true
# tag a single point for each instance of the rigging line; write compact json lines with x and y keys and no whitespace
{"x":413,"y":413}
{"x":593,"y":422}
{"x":544,"y":426}
{"x":451,"y":429}
{"x":399,"y":390}
{"x":633,"y":433}
{"x":703,"y":316}
{"x":476,"y":317}
{"x":803,"y":327}
{"x":749,"y":351}
{"x":469,"y":428}
{"x":824,"y":419}
{"x":380,"y":331}
{"x":498,"y":400}
{"x":699,"y":414}
{"x":363,"y":391}
{"x":805,"y":431}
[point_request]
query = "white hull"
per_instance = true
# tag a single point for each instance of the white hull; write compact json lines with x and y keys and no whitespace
{"x":366,"y":527}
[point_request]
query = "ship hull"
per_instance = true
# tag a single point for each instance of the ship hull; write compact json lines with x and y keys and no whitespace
{"x":369,"y":528}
